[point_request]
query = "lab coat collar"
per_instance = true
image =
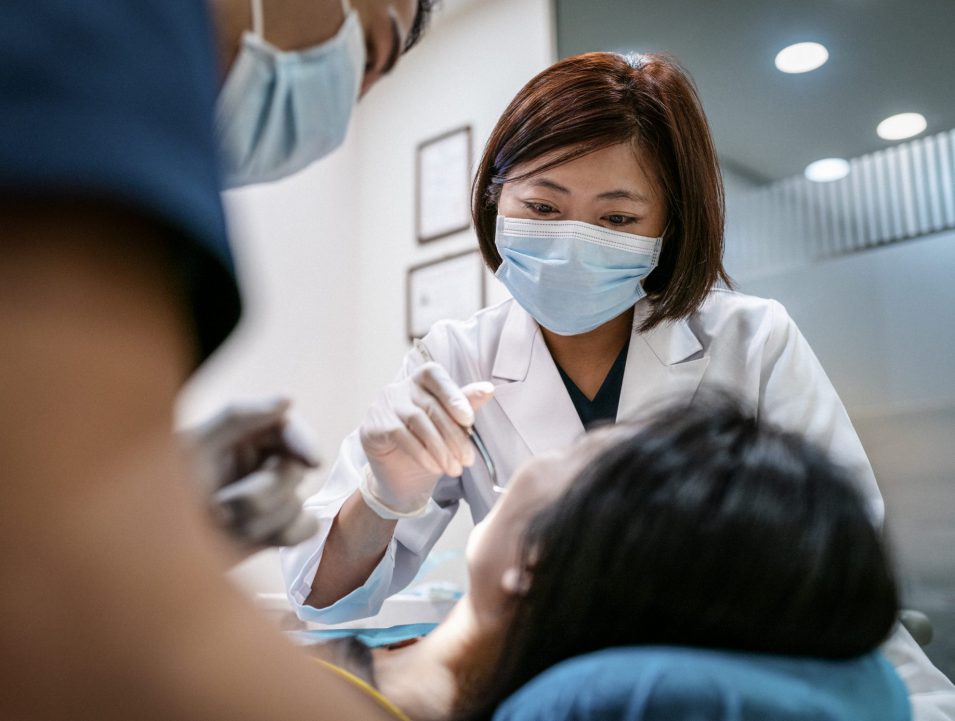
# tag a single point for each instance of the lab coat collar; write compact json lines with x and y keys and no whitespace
{"x":532,"y":395}
{"x":670,"y":342}
{"x":520,"y":333}
{"x":664,"y":365}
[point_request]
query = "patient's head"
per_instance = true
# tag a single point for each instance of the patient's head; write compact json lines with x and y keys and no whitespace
{"x":494,"y":547}
{"x":704,"y":528}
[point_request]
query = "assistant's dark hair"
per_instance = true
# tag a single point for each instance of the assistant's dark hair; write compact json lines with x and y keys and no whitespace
{"x":419,"y":24}
{"x":587,"y":102}
{"x":710,"y":529}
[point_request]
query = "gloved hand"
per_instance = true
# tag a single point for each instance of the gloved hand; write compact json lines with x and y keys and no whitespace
{"x":252,"y":457}
{"x":413,"y":434}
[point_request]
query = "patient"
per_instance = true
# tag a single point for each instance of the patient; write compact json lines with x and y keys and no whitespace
{"x":704,"y":528}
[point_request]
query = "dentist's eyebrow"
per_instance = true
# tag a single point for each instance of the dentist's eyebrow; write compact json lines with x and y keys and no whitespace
{"x":623,"y":195}
{"x":550,"y":184}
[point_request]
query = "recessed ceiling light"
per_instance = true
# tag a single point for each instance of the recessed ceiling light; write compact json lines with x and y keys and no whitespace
{"x":827,"y":170}
{"x":801,"y":57}
{"x":901,"y":126}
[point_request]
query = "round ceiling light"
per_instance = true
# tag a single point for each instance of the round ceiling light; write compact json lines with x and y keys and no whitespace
{"x":901,"y":126}
{"x":827,"y":170}
{"x":801,"y":57}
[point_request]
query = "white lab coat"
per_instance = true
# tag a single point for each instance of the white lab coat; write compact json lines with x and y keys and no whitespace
{"x":747,"y":345}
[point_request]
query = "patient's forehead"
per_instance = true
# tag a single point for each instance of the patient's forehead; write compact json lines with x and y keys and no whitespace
{"x":494,"y":545}
{"x":546,"y":477}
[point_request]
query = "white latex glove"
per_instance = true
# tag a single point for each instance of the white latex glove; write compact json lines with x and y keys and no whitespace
{"x":252,"y":458}
{"x":413,"y":434}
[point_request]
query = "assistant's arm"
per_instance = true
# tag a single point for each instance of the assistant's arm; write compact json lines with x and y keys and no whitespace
{"x":113,"y":603}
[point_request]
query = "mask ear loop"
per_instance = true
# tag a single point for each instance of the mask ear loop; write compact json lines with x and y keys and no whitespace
{"x":258,"y":18}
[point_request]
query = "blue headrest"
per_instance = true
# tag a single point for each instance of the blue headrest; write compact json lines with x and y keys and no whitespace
{"x":685,"y":684}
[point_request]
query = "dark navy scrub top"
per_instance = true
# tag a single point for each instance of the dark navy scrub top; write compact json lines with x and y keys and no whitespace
{"x":603,"y":407}
{"x":113,"y":100}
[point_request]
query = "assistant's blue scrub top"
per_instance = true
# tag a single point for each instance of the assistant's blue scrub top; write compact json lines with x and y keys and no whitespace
{"x":112,"y":100}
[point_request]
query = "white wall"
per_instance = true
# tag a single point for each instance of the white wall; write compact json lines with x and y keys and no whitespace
{"x":880,"y":322}
{"x":297,"y":256}
{"x":322,"y":255}
{"x":464,"y":73}
{"x":296,"y":253}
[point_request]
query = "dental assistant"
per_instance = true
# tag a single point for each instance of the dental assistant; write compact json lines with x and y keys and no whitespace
{"x":599,"y":204}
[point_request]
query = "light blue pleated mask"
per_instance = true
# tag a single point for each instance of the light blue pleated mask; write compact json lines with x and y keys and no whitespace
{"x":570,"y":276}
{"x":281,"y":111}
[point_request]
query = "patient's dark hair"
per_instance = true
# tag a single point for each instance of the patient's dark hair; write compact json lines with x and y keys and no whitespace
{"x":707,"y":528}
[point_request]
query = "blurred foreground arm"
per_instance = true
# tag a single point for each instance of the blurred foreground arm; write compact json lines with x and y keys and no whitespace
{"x":113,"y":604}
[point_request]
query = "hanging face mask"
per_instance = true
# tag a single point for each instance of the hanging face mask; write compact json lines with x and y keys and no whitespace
{"x":281,"y":111}
{"x":570,"y":276}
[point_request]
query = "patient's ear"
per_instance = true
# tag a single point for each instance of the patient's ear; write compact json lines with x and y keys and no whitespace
{"x":516,"y":581}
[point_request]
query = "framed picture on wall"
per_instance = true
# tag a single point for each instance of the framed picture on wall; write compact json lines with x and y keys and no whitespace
{"x":448,"y":288}
{"x":442,"y":185}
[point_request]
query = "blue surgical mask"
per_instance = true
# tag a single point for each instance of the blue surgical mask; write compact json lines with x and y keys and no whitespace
{"x":281,"y":111}
{"x":570,"y":276}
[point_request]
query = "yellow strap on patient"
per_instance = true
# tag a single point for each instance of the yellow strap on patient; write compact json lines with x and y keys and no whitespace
{"x":367,"y":688}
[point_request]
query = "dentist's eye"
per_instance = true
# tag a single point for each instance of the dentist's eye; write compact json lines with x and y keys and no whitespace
{"x":540,"y":208}
{"x":618,"y":219}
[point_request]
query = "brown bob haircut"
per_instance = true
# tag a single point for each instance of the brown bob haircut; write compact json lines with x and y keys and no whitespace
{"x":588,"y":102}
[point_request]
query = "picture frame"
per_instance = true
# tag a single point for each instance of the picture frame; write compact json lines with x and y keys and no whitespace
{"x":452,"y":287}
{"x":442,"y":185}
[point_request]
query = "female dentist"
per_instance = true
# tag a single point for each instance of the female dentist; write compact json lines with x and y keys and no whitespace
{"x":599,"y":204}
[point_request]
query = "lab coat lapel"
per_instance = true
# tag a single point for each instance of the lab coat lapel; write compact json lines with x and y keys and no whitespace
{"x":664,"y":366}
{"x":532,"y":394}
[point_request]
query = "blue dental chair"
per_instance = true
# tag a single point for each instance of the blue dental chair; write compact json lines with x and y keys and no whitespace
{"x":658,"y":683}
